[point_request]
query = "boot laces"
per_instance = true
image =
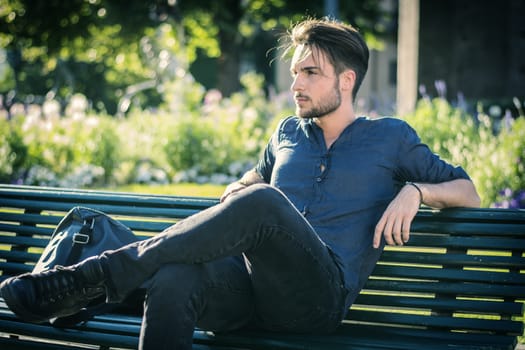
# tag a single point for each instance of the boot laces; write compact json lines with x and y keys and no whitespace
{"x":55,"y":285}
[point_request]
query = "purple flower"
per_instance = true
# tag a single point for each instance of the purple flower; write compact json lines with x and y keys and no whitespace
{"x":423,"y":92}
{"x":508,"y":120}
{"x":441,"y":88}
{"x":510,"y":199}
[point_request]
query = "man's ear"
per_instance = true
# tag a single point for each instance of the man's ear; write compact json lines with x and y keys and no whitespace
{"x":347,"y":80}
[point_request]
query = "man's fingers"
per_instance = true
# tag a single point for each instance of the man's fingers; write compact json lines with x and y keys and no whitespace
{"x":406,"y":230}
{"x":396,"y":230}
{"x":395,"y":223}
{"x":379,"y":232}
{"x":388,"y":232}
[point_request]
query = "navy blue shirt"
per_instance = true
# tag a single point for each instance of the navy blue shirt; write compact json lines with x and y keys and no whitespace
{"x":343,"y":191}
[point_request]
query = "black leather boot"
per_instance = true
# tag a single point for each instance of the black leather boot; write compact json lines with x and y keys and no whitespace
{"x":59,"y":292}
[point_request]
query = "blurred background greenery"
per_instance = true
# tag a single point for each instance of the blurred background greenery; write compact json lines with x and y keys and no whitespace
{"x":120,"y":94}
{"x":118,"y":52}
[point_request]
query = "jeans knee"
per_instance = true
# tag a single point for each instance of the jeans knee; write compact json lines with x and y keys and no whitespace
{"x":264,"y":196}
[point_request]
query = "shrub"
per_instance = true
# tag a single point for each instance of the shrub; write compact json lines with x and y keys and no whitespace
{"x":47,"y":149}
{"x":224,"y":137}
{"x":200,"y":136}
{"x":193,"y":143}
{"x":96,"y":145}
{"x":492,"y":154}
{"x":7,"y":155}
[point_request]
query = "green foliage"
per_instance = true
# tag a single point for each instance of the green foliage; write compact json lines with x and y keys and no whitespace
{"x":491,"y":153}
{"x":50,"y":150}
{"x":197,"y":136}
{"x":223,"y":135}
{"x":13,"y":150}
{"x":192,"y":143}
{"x":7,"y":155}
{"x":201,"y":136}
{"x":59,"y":48}
{"x":118,"y":50}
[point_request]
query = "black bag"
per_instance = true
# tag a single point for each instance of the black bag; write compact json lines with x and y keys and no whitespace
{"x":82,"y":233}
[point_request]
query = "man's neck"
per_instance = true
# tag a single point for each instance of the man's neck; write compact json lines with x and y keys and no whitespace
{"x":334,"y":123}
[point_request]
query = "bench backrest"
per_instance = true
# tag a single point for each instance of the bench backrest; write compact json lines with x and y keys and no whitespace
{"x":462,"y":271}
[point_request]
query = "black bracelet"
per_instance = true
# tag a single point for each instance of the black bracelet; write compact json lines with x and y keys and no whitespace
{"x":418,"y":189}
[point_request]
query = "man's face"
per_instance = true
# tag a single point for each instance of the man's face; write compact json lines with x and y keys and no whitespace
{"x":315,"y":85}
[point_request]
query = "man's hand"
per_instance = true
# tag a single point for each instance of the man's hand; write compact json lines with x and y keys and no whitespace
{"x":251,"y":177}
{"x":394,"y":225}
{"x":231,"y":189}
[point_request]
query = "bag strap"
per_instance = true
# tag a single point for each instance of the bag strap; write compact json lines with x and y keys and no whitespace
{"x":80,"y":239}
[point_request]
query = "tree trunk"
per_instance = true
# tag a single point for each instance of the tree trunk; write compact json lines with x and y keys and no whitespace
{"x":230,"y":41}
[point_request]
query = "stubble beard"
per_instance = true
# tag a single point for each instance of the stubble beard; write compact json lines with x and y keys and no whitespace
{"x":327,"y":105}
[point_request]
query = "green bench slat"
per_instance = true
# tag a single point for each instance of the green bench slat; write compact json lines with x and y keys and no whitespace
{"x":477,"y":260}
{"x":490,"y":243}
{"x":465,"y":229}
{"x":101,"y":197}
{"x":25,"y":230}
{"x":35,"y":219}
{"x":70,"y":335}
{"x":28,"y":230}
{"x":117,"y":328}
{"x":24,"y":241}
{"x":18,"y":256}
{"x":27,"y":218}
{"x":359,"y":337}
{"x":24,"y":344}
{"x":55,"y":205}
{"x":459,"y":323}
{"x":430,"y":336}
{"x":441,"y":304}
{"x":446,"y":274}
{"x":451,"y":215}
{"x":452,"y":288}
{"x":14,"y":268}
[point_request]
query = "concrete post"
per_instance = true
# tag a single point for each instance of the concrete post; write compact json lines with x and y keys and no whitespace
{"x":407,"y":56}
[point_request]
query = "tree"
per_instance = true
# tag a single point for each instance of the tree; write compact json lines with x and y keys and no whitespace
{"x":238,"y":26}
{"x":101,"y":47}
{"x":57,"y":48}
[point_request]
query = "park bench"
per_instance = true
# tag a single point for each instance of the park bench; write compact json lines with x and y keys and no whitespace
{"x":459,"y":283}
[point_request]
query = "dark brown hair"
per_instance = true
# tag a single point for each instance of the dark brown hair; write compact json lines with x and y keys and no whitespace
{"x":341,"y":43}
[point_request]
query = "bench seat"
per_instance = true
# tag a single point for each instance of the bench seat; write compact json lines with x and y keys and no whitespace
{"x":459,"y":283}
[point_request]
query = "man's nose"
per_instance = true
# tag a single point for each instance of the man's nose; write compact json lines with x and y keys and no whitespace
{"x":297,"y":84}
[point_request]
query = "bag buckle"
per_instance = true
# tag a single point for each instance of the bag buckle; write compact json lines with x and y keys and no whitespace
{"x":82,"y":238}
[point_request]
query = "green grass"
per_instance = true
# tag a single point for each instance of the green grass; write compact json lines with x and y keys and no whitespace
{"x":183,"y":189}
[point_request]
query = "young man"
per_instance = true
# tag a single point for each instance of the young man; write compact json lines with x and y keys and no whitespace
{"x":293,"y":241}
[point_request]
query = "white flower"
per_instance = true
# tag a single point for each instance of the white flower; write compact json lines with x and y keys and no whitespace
{"x":51,"y":109}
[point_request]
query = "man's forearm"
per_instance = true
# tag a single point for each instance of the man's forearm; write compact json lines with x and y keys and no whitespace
{"x":251,"y":177}
{"x":455,"y":193}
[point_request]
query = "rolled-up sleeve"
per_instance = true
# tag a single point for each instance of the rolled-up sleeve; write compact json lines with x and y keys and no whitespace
{"x":418,"y":163}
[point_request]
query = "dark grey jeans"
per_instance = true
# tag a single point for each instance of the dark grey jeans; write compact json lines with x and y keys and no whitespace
{"x":253,"y":261}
